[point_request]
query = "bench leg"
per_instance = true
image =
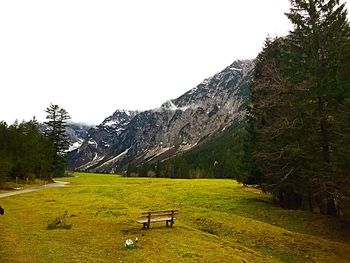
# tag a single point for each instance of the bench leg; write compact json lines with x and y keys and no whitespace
{"x":172,"y":222}
{"x":144,"y":225}
{"x":167,"y":223}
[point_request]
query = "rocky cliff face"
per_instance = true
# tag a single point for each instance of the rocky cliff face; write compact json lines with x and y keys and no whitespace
{"x":77,"y":133}
{"x":176,"y":126}
{"x":100,"y":139}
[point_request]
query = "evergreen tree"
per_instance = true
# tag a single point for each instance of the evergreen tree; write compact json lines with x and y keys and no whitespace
{"x":57,"y":122}
{"x":315,"y":62}
{"x":276,"y":124}
{"x":5,"y":156}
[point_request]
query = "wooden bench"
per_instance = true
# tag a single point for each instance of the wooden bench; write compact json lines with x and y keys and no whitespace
{"x":158,"y":216}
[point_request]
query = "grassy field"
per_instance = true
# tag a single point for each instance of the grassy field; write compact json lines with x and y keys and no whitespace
{"x":220,"y":221}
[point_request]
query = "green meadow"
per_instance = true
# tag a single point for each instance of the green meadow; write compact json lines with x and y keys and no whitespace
{"x":219,"y":221}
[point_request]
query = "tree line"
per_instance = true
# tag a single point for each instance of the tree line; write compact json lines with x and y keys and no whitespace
{"x":27,"y":153}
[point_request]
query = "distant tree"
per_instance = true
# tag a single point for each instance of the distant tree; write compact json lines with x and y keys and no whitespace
{"x":5,"y":157}
{"x":36,"y":151}
{"x":57,"y":122}
{"x":131,"y":170}
{"x":56,"y":133}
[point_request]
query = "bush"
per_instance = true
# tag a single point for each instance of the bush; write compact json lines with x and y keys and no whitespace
{"x":59,"y":223}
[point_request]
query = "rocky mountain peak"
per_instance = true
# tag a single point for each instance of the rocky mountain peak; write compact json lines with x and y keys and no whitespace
{"x":118,"y":120}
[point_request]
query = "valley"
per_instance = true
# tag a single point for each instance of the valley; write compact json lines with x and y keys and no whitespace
{"x":255,"y":157}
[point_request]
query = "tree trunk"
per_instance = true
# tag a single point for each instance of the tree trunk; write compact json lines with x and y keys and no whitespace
{"x":324,"y":127}
{"x":311,"y":207}
{"x":331,"y":209}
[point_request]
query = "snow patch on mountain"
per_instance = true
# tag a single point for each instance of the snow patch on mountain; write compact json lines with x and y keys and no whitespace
{"x":92,"y":142}
{"x":116,"y":157}
{"x":170,"y":106}
{"x":75,"y":145}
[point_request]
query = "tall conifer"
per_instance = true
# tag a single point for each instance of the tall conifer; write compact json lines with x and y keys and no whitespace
{"x":320,"y":32}
{"x":57,"y":122}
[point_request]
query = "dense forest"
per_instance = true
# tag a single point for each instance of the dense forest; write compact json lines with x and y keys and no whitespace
{"x":27,"y":154}
{"x":295,"y":142}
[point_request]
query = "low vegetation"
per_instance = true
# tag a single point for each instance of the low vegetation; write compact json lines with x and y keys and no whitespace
{"x":60,"y":223}
{"x":219,"y":221}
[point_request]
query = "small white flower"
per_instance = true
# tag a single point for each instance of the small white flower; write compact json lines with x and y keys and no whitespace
{"x":129,"y":243}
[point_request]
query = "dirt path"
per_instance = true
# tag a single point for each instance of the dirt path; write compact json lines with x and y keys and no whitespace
{"x":36,"y":188}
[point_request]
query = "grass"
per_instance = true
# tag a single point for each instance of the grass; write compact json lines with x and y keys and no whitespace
{"x":219,"y":221}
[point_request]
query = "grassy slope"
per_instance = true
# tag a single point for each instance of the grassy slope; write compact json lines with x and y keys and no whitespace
{"x":220,"y":221}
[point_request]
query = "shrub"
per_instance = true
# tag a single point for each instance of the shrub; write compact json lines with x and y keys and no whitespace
{"x":59,"y":223}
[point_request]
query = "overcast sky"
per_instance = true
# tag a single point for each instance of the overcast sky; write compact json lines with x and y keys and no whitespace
{"x":93,"y":57}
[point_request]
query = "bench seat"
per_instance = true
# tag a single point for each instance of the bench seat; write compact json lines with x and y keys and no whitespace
{"x":155,"y":220}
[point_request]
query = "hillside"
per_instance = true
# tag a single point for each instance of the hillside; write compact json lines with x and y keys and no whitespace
{"x":218,"y":157}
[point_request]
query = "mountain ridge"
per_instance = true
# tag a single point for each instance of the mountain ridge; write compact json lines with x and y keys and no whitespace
{"x":176,"y":126}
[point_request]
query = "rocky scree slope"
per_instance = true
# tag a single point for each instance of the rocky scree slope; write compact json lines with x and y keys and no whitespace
{"x":176,"y":126}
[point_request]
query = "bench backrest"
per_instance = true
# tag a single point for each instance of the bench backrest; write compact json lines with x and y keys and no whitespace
{"x":160,"y":213}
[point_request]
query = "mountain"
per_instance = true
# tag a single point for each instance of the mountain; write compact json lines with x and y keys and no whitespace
{"x":177,"y":126}
{"x":77,"y":132}
{"x":99,"y":139}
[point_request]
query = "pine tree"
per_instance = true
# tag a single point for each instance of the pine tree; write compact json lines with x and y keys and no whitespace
{"x":276,"y":126}
{"x":5,"y":156}
{"x":321,"y":30}
{"x":57,"y":122}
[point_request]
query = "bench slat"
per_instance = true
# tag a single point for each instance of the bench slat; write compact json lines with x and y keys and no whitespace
{"x":160,"y":211}
{"x":156,"y":220}
{"x":158,"y":215}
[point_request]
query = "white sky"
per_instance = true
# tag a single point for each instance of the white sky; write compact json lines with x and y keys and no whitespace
{"x":93,"y":57}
